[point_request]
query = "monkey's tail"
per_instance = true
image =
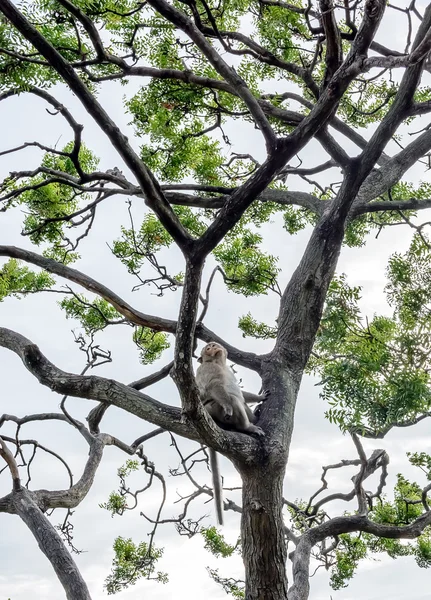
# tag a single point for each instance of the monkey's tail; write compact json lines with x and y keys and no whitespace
{"x":217,"y":485}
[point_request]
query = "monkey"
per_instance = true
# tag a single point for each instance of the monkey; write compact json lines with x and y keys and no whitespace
{"x":226,"y":403}
{"x":221,"y":394}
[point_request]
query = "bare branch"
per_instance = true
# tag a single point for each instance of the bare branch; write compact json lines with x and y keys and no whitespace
{"x":93,"y":387}
{"x":124,"y":397}
{"x":301,"y":557}
{"x":358,"y":479}
{"x":282,"y":197}
{"x":387,"y":205}
{"x":144,"y":382}
{"x":7,"y":455}
{"x":96,"y":415}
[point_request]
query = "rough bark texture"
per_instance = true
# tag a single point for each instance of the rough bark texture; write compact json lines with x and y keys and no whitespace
{"x":262,"y":528}
{"x":262,"y":533}
{"x":51,"y":545}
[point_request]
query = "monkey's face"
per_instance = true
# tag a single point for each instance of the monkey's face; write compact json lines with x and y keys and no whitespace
{"x":211,"y":351}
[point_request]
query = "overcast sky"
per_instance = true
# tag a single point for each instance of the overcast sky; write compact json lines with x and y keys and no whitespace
{"x":24,"y":571}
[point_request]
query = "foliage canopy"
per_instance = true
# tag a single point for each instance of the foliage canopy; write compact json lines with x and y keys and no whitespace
{"x":247,"y":119}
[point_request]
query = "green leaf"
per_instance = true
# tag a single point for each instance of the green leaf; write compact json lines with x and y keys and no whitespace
{"x":17,"y":280}
{"x":132,"y":562}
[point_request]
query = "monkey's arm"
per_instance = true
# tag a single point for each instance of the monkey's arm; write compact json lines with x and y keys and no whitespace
{"x":251,"y":398}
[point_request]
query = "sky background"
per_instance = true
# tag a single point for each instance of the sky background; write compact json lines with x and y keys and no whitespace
{"x":24,"y":571}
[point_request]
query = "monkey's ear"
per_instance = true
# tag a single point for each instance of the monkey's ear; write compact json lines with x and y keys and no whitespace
{"x":200,"y":359}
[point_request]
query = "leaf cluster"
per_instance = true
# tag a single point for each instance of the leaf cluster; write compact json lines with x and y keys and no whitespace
{"x":375,"y":374}
{"x":132,"y":562}
{"x":17,"y":280}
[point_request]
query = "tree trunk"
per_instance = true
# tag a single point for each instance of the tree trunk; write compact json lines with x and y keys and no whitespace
{"x":262,"y":531}
{"x":51,"y":545}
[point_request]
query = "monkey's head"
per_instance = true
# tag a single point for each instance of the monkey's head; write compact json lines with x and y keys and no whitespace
{"x":213,"y":352}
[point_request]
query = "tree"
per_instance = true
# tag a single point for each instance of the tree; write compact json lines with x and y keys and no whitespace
{"x":202,"y":66}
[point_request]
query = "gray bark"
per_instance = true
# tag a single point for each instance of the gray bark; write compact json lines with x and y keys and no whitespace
{"x":51,"y":545}
{"x":262,"y":533}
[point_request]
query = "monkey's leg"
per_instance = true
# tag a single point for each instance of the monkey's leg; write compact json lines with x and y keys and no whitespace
{"x":250,"y":398}
{"x":250,"y":414}
{"x":240,"y":419}
{"x":223,"y":399}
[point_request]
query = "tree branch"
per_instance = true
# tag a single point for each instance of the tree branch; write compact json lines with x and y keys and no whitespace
{"x":93,"y":387}
{"x":383,"y":205}
{"x":90,"y":284}
{"x":307,"y":128}
{"x":283,"y":197}
{"x":144,"y":176}
{"x":380,"y":181}
{"x":124,"y":397}
{"x":246,"y":359}
{"x":403,"y":98}
{"x":51,"y":545}
{"x":334,"y":50}
{"x":8,"y":457}
{"x":302,"y":302}
{"x":295,"y":118}
{"x":180,"y":20}
{"x":301,"y":556}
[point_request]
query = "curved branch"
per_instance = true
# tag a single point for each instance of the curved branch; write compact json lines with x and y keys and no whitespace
{"x":46,"y":417}
{"x":72,"y":497}
{"x":8,"y":457}
{"x":301,"y":556}
{"x":348,"y":524}
{"x":93,"y":387}
{"x":108,"y":390}
{"x":90,"y":284}
{"x":148,"y":380}
{"x":246,"y":359}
